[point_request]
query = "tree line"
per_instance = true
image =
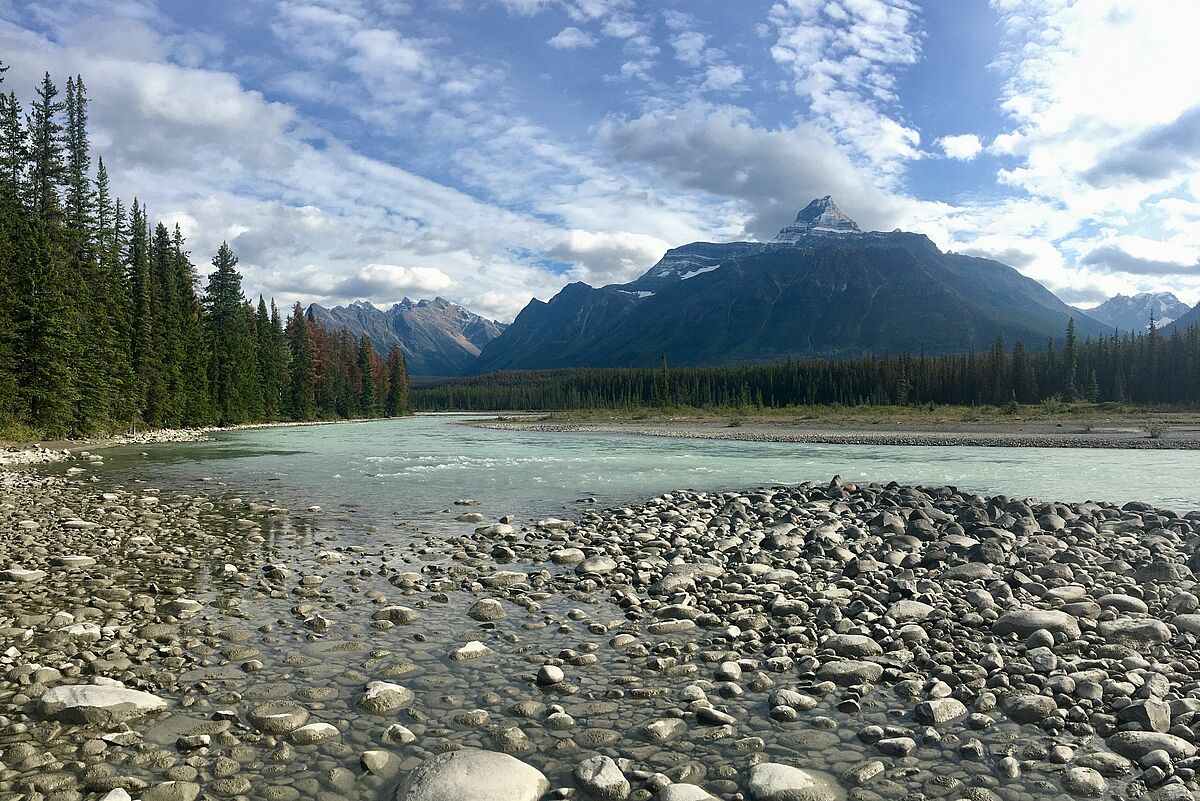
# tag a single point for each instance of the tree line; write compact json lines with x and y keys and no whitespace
{"x":1137,"y":368}
{"x":104,"y":327}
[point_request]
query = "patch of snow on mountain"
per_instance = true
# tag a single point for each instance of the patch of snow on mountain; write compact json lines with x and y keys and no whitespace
{"x":694,"y":273}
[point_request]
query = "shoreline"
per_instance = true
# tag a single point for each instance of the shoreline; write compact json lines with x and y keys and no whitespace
{"x":41,"y":452}
{"x":1070,"y":434}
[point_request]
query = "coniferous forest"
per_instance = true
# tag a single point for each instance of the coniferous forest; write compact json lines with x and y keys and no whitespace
{"x":1143,"y":369}
{"x":107,"y":325}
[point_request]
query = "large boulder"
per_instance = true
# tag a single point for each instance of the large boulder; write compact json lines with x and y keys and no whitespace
{"x":101,"y":705}
{"x":473,"y":775}
{"x":1136,"y":744}
{"x":771,"y":781}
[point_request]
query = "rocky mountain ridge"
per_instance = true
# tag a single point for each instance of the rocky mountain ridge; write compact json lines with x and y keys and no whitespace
{"x":438,"y":337}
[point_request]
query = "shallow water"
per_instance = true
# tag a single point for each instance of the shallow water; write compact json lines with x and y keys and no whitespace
{"x":382,"y":483}
{"x":410,"y":467}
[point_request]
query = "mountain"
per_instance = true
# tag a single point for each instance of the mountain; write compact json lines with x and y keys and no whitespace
{"x":437,"y":337}
{"x":823,"y":287}
{"x":1126,"y":313}
{"x":1189,"y":319}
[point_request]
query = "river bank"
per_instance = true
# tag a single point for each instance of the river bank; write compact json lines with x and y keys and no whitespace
{"x":828,"y":639}
{"x":1183,"y":435}
{"x":17,"y":454}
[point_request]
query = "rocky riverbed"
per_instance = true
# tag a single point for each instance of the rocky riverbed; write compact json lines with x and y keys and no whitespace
{"x":813,"y":643}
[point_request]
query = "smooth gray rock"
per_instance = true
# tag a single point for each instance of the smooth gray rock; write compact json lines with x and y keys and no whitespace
{"x":102,"y":705}
{"x":277,"y":717}
{"x":382,"y":697}
{"x":1026,"y":707}
{"x":471,"y":774}
{"x":771,"y":781}
{"x":601,"y":779}
{"x":1024,"y":622}
{"x":940,"y":710}
{"x":850,"y":671}
{"x":684,"y":792}
{"x":1136,"y":744}
{"x":1084,"y":782}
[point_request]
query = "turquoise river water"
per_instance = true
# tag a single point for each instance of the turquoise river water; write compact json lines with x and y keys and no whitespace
{"x":412,"y":467}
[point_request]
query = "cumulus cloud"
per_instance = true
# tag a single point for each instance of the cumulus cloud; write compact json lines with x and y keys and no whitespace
{"x":963,"y":146}
{"x":377,"y":282}
{"x":608,"y":258}
{"x":689,"y":47}
{"x":774,"y":172}
{"x":723,"y":77}
{"x":571,"y":39}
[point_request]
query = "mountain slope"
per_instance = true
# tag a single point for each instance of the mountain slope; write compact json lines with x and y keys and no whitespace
{"x":1189,"y":319}
{"x":437,"y":337}
{"x":1126,"y":313}
{"x":824,"y":288}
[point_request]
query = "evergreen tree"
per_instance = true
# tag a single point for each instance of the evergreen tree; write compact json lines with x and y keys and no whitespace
{"x":234,"y":366}
{"x":397,"y":383}
{"x":1070,"y":362}
{"x":366,"y":381}
{"x":302,"y":390}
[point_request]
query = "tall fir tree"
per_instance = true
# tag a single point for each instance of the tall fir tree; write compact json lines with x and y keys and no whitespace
{"x":234,"y":366}
{"x":366,"y":381}
{"x":302,"y":388}
{"x":397,"y":402}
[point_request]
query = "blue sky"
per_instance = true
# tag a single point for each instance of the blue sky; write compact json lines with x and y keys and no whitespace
{"x":493,"y":150}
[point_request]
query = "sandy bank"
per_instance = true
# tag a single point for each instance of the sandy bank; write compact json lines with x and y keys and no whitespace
{"x":1071,"y":434}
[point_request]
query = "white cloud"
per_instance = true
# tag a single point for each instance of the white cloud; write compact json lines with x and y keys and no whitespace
{"x":689,"y":47}
{"x":525,"y":8}
{"x":772,"y":172}
{"x":722,"y":77}
{"x":571,"y":39}
{"x":963,"y":146}
{"x":843,"y":56}
{"x":604,"y":258}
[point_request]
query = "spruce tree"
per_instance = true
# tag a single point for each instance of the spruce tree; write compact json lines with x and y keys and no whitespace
{"x":234,"y":365}
{"x":47,"y":330}
{"x":302,"y":389}
{"x":366,"y":384}
{"x":397,"y":384}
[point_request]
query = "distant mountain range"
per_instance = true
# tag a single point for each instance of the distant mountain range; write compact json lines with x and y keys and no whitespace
{"x":822,"y":287}
{"x":437,"y":337}
{"x":1126,"y":313}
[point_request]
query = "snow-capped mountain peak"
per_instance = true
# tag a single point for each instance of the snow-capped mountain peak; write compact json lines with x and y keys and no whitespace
{"x":822,"y":216}
{"x":1133,"y":313}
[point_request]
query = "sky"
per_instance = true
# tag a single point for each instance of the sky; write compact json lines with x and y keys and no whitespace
{"x":490,"y":151}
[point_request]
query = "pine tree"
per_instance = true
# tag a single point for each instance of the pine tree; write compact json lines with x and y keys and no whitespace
{"x":397,"y":401}
{"x":13,"y":243}
{"x":193,"y":399}
{"x":234,"y":366}
{"x":1070,"y":361}
{"x":366,"y":381}
{"x":268,"y":351}
{"x":47,"y":331}
{"x":302,"y":389}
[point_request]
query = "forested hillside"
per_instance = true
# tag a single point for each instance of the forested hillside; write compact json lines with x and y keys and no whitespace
{"x":1145,"y":368}
{"x":104,"y":326}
